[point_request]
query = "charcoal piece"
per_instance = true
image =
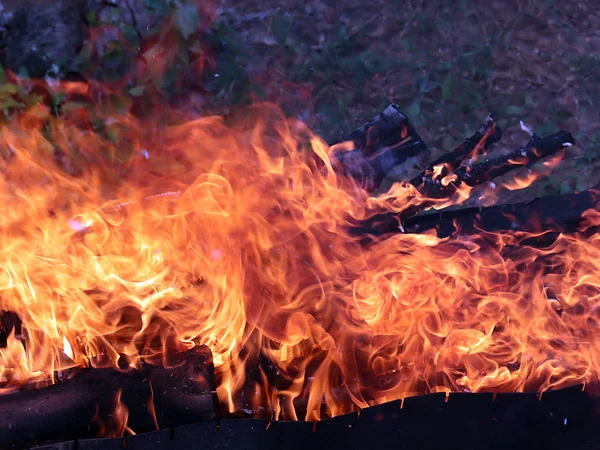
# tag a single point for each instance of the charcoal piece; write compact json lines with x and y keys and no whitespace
{"x":378,"y":146}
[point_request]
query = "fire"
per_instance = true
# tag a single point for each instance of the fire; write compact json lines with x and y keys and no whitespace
{"x":116,"y":426}
{"x":237,"y":236}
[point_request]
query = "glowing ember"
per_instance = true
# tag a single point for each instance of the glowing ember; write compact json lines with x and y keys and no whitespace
{"x":237,"y":238}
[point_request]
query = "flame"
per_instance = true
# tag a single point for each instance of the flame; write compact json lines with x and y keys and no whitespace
{"x":120,"y":416}
{"x":67,"y":349}
{"x":237,"y":236}
{"x":438,"y":171}
{"x":115,"y":426}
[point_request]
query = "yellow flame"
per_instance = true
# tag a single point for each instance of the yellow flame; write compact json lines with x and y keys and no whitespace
{"x":237,"y":237}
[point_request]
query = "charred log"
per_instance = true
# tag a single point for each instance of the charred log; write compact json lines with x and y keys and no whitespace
{"x":155,"y":397}
{"x":481,"y":142}
{"x":475,"y":174}
{"x":560,"y":419}
{"x":556,"y":213}
{"x":377,"y":147}
{"x":389,"y":139}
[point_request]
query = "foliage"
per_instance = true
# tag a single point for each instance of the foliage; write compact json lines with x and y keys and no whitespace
{"x":447,"y":64}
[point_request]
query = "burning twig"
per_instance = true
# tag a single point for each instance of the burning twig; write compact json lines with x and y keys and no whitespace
{"x":474,"y":174}
{"x":483,"y":139}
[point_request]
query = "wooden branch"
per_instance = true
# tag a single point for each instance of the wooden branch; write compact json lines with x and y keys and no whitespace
{"x":370,"y":152}
{"x":556,"y":213}
{"x":483,"y":139}
{"x":66,"y":410}
{"x":474,"y":174}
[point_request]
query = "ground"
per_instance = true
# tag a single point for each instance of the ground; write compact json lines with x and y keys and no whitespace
{"x":447,"y":64}
{"x":335,"y":64}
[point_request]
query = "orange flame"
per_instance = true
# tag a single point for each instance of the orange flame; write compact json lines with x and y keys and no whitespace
{"x":120,"y":416}
{"x":116,"y":425}
{"x":236,"y":236}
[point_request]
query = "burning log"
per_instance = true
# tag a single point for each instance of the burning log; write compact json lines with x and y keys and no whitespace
{"x":444,"y":176}
{"x":389,"y":139}
{"x":558,"y":213}
{"x":155,"y":397}
{"x":483,"y":139}
{"x":378,"y":146}
{"x":474,"y":174}
{"x":230,"y":286}
{"x":561,"y":419}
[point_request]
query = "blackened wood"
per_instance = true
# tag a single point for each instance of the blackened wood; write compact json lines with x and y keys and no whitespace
{"x":481,"y":142}
{"x":66,"y":410}
{"x":378,"y":146}
{"x":9,"y":323}
{"x":474,"y":174}
{"x":563,"y":419}
{"x":556,"y":213}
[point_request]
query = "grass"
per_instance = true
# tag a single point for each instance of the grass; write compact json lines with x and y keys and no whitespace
{"x":336,"y":64}
{"x":446,"y":64}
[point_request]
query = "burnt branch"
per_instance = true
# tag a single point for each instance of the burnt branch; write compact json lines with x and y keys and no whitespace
{"x":474,"y":174}
{"x":555,"y":213}
{"x":370,"y":152}
{"x":74,"y":408}
{"x":481,"y":142}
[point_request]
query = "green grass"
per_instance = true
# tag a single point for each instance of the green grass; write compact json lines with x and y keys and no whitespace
{"x":446,"y":65}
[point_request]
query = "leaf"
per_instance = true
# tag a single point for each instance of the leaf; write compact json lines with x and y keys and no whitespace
{"x":9,"y":88}
{"x":160,"y":6}
{"x":414,"y":109}
{"x":152,"y":52}
{"x":546,"y":128}
{"x":513,"y":110}
{"x":280,"y":26}
{"x":196,"y":47}
{"x":73,"y":106}
{"x":57,"y":100}
{"x":258,"y":91}
{"x":130,"y":34}
{"x":422,"y":83}
{"x":10,"y":102}
{"x":448,"y":141}
{"x":137,"y":91}
{"x":447,"y":87}
{"x":38,"y":110}
{"x":33,"y":99}
{"x":113,"y":134}
{"x":91,"y":18}
{"x":581,"y":184}
{"x":186,"y":20}
{"x":565,"y":188}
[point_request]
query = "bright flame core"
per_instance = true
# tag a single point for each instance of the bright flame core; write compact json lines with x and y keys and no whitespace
{"x":237,"y":238}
